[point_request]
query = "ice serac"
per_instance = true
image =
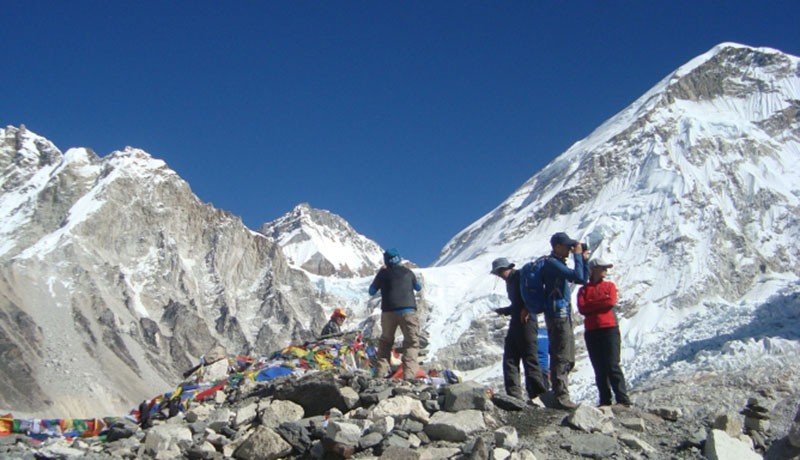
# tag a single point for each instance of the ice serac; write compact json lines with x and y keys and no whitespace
{"x":693,"y":191}
{"x":114,"y":278}
{"x":323,"y":243}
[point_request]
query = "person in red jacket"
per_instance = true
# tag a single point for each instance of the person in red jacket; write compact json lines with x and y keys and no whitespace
{"x":596,"y":301}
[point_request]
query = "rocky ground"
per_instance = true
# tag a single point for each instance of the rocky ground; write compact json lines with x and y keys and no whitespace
{"x":339,"y":414}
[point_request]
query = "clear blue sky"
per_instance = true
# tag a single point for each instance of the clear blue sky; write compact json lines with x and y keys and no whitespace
{"x":409,"y":119}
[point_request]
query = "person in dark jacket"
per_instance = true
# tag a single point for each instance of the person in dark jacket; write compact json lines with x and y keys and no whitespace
{"x":521,"y":339}
{"x":596,"y":301}
{"x":397,"y":284}
{"x":557,"y":277}
{"x":334,"y":325}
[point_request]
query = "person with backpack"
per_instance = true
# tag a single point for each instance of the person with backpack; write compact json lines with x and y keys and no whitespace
{"x":556,"y":277}
{"x":521,"y":342}
{"x":334,"y":325}
{"x":596,"y":301}
{"x":398,"y":309}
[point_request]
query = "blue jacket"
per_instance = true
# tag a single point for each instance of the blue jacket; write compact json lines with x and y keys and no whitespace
{"x":557,"y":278}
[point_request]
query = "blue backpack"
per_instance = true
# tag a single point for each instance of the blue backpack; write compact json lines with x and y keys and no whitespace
{"x":531,"y":286}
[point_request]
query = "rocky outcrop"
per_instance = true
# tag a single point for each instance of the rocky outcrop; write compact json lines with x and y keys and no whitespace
{"x":114,"y":266}
{"x":253,"y":421}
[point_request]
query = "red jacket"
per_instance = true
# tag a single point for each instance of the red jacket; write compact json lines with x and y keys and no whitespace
{"x":595,"y":302}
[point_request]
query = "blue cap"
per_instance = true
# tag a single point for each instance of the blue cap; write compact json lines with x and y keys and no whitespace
{"x":392,"y":256}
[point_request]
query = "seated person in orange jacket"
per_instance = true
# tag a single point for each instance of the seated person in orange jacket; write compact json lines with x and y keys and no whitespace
{"x":596,"y":301}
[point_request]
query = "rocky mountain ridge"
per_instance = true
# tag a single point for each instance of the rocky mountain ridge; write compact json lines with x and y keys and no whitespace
{"x":114,"y":278}
{"x":323,"y":243}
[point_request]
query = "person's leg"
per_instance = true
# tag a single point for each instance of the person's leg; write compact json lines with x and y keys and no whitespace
{"x":528,"y":345}
{"x":385,"y":343}
{"x":409,"y":325}
{"x":615,"y":375}
{"x":511,"y":357}
{"x":594,"y":345}
{"x":560,"y":332}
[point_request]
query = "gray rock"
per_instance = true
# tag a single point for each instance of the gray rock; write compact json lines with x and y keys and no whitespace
{"x":669,"y":413}
{"x":370,"y":440}
{"x":636,"y":424}
{"x":636,"y":443}
{"x":465,"y":396}
{"x":167,"y":436}
{"x":296,"y":435}
{"x":438,"y":453}
{"x":373,"y":396}
{"x":383,"y":425}
{"x":278,"y":411}
{"x":477,"y":449}
{"x":506,"y":402}
{"x":316,"y":393}
{"x":590,"y":419}
{"x":593,"y":445}
{"x":400,"y":453}
{"x":343,"y":433}
{"x":506,"y":437}
{"x":720,"y":446}
{"x":349,"y":397}
{"x":411,"y":426}
{"x":245,"y":415}
{"x":402,"y":407}
{"x":730,"y":423}
{"x":455,"y":427}
{"x":500,"y":454}
{"x":263,"y":444}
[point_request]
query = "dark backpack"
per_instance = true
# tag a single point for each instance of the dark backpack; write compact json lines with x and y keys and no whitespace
{"x":531,"y":286}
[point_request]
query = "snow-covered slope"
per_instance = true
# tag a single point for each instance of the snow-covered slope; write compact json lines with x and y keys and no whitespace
{"x":693,"y":192}
{"x":323,"y":243}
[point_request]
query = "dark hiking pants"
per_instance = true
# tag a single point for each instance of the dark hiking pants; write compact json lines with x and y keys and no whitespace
{"x":521,"y":345}
{"x":562,"y":355}
{"x":604,"y":352}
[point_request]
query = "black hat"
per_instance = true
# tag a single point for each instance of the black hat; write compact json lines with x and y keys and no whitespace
{"x":562,"y":238}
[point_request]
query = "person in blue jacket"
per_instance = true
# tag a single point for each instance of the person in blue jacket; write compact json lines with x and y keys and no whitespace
{"x":397,"y":285}
{"x":557,"y":276}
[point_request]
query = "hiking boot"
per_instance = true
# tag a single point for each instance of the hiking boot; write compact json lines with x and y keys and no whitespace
{"x":565,"y":404}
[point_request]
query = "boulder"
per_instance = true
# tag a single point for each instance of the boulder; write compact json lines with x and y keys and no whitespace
{"x":465,"y":396}
{"x":730,"y":423}
{"x":402,"y":407}
{"x":506,"y":437}
{"x":263,"y":444}
{"x":278,"y":411}
{"x":169,"y":436}
{"x":316,"y":393}
{"x":593,"y":445}
{"x":720,"y":446}
{"x":590,"y":419}
{"x":343,"y":433}
{"x":455,"y":427}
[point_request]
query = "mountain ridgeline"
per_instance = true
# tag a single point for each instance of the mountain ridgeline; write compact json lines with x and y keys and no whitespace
{"x":114,"y":277}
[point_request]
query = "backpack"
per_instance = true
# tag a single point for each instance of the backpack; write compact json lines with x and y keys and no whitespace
{"x":531,"y":286}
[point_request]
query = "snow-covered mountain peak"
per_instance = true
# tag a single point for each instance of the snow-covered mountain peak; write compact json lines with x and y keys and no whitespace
{"x":323,"y":243}
{"x":691,"y":191}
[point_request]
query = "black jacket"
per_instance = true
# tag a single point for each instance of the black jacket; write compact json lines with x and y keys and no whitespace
{"x":397,"y":284}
